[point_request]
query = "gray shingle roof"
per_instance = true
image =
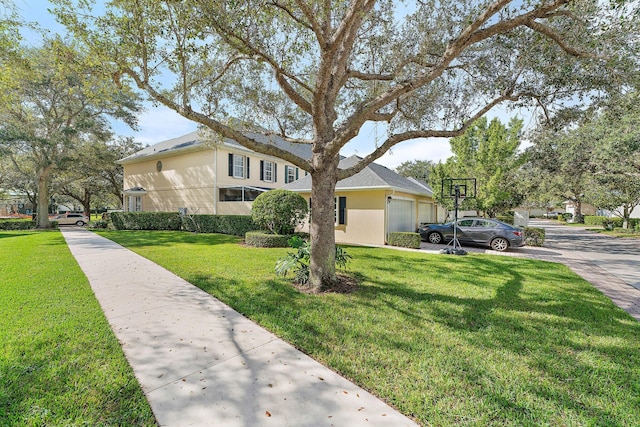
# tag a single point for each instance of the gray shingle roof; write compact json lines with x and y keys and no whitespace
{"x":372,"y":176}
{"x":193,"y":141}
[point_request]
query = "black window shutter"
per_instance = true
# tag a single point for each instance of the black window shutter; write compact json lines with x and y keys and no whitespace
{"x":247,"y":174}
{"x":286,"y":174}
{"x":275,"y":172}
{"x":261,"y":170}
{"x":297,"y":171}
{"x":230,"y":164}
{"x":342,"y":210}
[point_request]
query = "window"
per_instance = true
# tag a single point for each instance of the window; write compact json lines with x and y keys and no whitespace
{"x":340,"y":209}
{"x":240,"y":194}
{"x":238,"y":166}
{"x":268,"y":171}
{"x":135,"y":203}
{"x":290,"y":174}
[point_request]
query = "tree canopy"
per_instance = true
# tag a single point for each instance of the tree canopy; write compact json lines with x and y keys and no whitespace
{"x":58,"y":103}
{"x":487,"y":152}
{"x":316,"y":72}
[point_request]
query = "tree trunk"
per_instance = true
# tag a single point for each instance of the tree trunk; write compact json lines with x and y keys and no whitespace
{"x":42,"y":208}
{"x":322,"y":266}
{"x":86,"y":202}
{"x":577,"y":217}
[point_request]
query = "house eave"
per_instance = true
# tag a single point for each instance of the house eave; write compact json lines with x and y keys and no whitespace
{"x":374,"y":188}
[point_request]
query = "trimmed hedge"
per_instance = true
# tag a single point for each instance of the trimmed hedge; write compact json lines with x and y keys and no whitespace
{"x":534,"y":236}
{"x":17,"y":224}
{"x":146,"y":220}
{"x":263,"y":239}
{"x":610,"y":223}
{"x":237,"y":225}
{"x":405,"y":240}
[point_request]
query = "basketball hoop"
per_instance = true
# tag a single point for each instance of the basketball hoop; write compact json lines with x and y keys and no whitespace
{"x":458,"y":189}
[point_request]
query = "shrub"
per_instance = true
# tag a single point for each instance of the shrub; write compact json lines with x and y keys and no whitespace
{"x":534,"y":236}
{"x":236,"y":225}
{"x":262,"y":239}
{"x":566,"y":216}
{"x":298,"y":262}
{"x":17,"y":224}
{"x":594,"y":220}
{"x":279,"y":211}
{"x":99,"y":224}
{"x":405,"y":240}
{"x":146,"y":220}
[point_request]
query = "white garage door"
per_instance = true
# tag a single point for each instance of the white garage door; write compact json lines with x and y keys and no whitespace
{"x":401,"y":215}
{"x":425,"y":212}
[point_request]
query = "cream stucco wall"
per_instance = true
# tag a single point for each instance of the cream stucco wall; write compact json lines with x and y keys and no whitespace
{"x":366,"y":217}
{"x":189,"y":180}
{"x":185,"y":180}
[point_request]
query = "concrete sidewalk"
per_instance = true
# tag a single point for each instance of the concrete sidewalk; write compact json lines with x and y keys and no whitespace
{"x":200,"y":363}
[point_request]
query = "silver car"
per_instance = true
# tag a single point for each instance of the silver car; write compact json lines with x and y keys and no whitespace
{"x":71,"y":218}
{"x":477,"y":231}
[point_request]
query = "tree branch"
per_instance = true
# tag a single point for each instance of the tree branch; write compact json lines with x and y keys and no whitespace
{"x":431,"y":133}
{"x":221,"y":128}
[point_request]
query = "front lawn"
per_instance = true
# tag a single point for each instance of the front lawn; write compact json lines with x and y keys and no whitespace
{"x":475,"y":340}
{"x":60,"y":364}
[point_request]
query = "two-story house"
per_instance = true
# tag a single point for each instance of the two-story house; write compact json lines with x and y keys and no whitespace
{"x":205,"y":177}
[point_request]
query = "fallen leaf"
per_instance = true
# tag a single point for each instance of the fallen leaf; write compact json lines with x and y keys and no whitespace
{"x":345,"y":392}
{"x":321,"y":379}
{"x":268,"y":413}
{"x":270,"y":385}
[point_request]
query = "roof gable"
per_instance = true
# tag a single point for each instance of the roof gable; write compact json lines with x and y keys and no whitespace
{"x":372,"y":176}
{"x":193,"y":141}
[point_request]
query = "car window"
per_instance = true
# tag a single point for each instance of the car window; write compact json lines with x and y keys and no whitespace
{"x":486,"y":224}
{"x":465,"y":223}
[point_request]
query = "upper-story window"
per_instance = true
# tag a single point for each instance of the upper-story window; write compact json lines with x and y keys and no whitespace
{"x":238,"y":166}
{"x":290,"y":174}
{"x":268,"y":171}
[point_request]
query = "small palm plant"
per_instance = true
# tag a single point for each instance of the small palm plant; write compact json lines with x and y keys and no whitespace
{"x":298,"y":262}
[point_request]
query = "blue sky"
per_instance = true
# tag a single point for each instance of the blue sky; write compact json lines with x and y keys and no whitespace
{"x":160,"y":123}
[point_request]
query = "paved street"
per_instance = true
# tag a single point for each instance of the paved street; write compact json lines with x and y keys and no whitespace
{"x":618,"y":256}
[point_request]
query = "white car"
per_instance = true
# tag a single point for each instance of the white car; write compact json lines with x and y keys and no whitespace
{"x":71,"y":218}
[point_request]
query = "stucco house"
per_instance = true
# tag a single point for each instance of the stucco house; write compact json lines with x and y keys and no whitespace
{"x":375,"y":202}
{"x":204,"y":177}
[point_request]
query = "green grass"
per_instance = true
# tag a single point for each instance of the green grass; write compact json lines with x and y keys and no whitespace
{"x":475,"y":340}
{"x":630,"y":234}
{"x":60,"y":364}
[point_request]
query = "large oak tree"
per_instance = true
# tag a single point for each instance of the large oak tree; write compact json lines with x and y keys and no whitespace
{"x":54,"y":102}
{"x":316,"y":72}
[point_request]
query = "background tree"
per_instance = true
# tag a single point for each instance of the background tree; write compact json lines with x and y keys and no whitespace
{"x":317,"y":72}
{"x":59,"y":102}
{"x":563,"y":159}
{"x":594,"y":158}
{"x":487,"y":152}
{"x":96,"y":175}
{"x":615,"y":134}
{"x":419,"y":169}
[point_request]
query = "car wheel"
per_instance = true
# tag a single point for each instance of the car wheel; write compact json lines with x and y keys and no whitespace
{"x":80,"y":223}
{"x":434,"y":237}
{"x":499,"y":244}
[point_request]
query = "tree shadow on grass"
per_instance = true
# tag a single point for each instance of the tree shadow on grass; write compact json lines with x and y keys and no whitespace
{"x":566,"y":338}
